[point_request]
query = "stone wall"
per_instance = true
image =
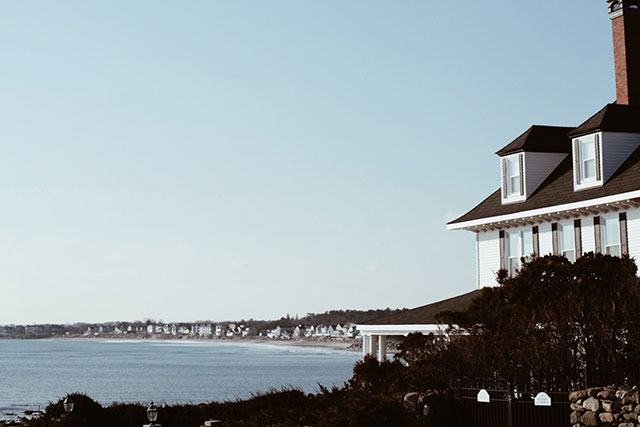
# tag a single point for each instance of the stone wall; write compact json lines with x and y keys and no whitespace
{"x":605,"y":406}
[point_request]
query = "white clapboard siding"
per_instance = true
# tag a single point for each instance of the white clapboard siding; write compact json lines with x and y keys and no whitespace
{"x":588,"y":236}
{"x":488,"y":257}
{"x":633,"y":231}
{"x":538,"y":166}
{"x":616,"y":148}
{"x":545,"y":236}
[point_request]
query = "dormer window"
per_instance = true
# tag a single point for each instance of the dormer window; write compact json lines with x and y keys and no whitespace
{"x":588,"y":160}
{"x":513,"y":178}
{"x":586,"y":156}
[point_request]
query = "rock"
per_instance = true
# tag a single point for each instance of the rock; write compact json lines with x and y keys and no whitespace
{"x":626,"y":425}
{"x":620,"y":394}
{"x":627,"y":408}
{"x":589,"y":419}
{"x":574,"y":418}
{"x":606,"y":417}
{"x":577,"y":395}
{"x":576,"y":407}
{"x":591,"y":404}
{"x":606,"y":394}
{"x":630,"y":416}
{"x":608,"y":406}
{"x":593,"y":391}
{"x":631,"y":398}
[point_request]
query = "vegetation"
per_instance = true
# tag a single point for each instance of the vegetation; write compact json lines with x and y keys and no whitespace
{"x":556,"y":322}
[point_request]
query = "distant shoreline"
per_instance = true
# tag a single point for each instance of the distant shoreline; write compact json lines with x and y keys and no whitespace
{"x":346,"y":345}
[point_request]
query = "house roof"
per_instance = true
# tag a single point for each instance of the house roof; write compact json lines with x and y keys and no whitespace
{"x":612,"y":118}
{"x":426,"y":315}
{"x":546,"y":139}
{"x":557,"y":189}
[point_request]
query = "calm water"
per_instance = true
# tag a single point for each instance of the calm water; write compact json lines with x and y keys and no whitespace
{"x":32,"y":373}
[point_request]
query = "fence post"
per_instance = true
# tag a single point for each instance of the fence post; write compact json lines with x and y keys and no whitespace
{"x":510,"y":407}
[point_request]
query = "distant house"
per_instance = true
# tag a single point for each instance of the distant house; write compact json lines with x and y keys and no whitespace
{"x":299,"y":331}
{"x":564,"y":191}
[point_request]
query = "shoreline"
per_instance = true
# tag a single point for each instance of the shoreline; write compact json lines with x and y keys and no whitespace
{"x":352,"y":345}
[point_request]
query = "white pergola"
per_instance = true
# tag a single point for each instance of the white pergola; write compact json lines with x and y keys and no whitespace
{"x":374,"y":337}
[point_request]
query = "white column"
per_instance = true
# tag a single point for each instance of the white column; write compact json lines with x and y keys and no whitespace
{"x":374,"y":345}
{"x":366,"y":345}
{"x":382,"y":348}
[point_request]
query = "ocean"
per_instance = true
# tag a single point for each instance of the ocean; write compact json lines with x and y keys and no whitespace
{"x":35,"y":372}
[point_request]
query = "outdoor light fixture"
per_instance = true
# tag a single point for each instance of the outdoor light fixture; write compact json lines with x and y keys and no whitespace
{"x":68,"y":405}
{"x":152,"y":413}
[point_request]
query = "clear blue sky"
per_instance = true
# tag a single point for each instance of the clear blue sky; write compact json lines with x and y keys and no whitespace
{"x":220,"y":160}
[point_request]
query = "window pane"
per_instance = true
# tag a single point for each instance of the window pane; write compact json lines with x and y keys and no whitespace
{"x":570,"y":255}
{"x":588,"y":149}
{"x":514,"y":244}
{"x":612,"y":231}
{"x":514,"y":185}
{"x":527,"y":242}
{"x":613,"y":250}
{"x":589,"y":167}
{"x":568,"y":237}
{"x":513,"y":168}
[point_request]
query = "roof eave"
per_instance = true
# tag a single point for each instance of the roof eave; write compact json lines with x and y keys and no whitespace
{"x":585,"y":207}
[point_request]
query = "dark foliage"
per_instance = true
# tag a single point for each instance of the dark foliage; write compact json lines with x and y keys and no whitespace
{"x":336,"y":407}
{"x":555,"y":323}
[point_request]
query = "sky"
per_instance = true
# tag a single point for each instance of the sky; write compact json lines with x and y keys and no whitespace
{"x":225,"y":160}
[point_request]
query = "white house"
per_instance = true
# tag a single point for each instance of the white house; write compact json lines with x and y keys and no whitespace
{"x":563,"y":190}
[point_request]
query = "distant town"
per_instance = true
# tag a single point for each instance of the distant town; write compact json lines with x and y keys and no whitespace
{"x":331,"y":325}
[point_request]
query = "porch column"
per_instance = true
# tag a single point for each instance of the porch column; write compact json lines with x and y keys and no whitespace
{"x":382,"y":348}
{"x":366,"y":345}
{"x":373,"y":345}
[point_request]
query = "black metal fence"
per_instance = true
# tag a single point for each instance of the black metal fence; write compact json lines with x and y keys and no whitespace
{"x":509,"y":407}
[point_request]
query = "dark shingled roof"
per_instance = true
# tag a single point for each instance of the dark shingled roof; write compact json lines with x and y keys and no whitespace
{"x":426,"y":315}
{"x":546,"y":139}
{"x":612,"y":118}
{"x":557,"y":189}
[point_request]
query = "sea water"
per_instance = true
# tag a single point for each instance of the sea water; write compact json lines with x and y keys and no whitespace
{"x":35,"y":372}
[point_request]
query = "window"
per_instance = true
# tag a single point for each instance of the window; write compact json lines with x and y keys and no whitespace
{"x":611,"y":237}
{"x":520,"y":245}
{"x":527,"y":243}
{"x":515,"y":252}
{"x":513,"y":176}
{"x":567,"y":241}
{"x":588,"y":160}
{"x":586,"y":156}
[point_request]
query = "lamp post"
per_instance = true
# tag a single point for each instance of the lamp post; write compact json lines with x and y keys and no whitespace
{"x":152,"y":416}
{"x":67,"y":404}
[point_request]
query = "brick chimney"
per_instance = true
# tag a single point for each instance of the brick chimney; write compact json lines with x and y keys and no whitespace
{"x":625,"y":19}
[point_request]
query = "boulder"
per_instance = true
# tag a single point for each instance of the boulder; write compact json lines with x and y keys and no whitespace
{"x":577,"y":395}
{"x":606,"y":394}
{"x":576,"y":407}
{"x":574,"y":418}
{"x":589,"y":419}
{"x":606,"y":417}
{"x":591,"y":404}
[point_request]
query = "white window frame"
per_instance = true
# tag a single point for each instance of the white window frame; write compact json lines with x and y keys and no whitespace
{"x":603,"y":227}
{"x":580,"y":180}
{"x":512,"y":192}
{"x":562,"y":250}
